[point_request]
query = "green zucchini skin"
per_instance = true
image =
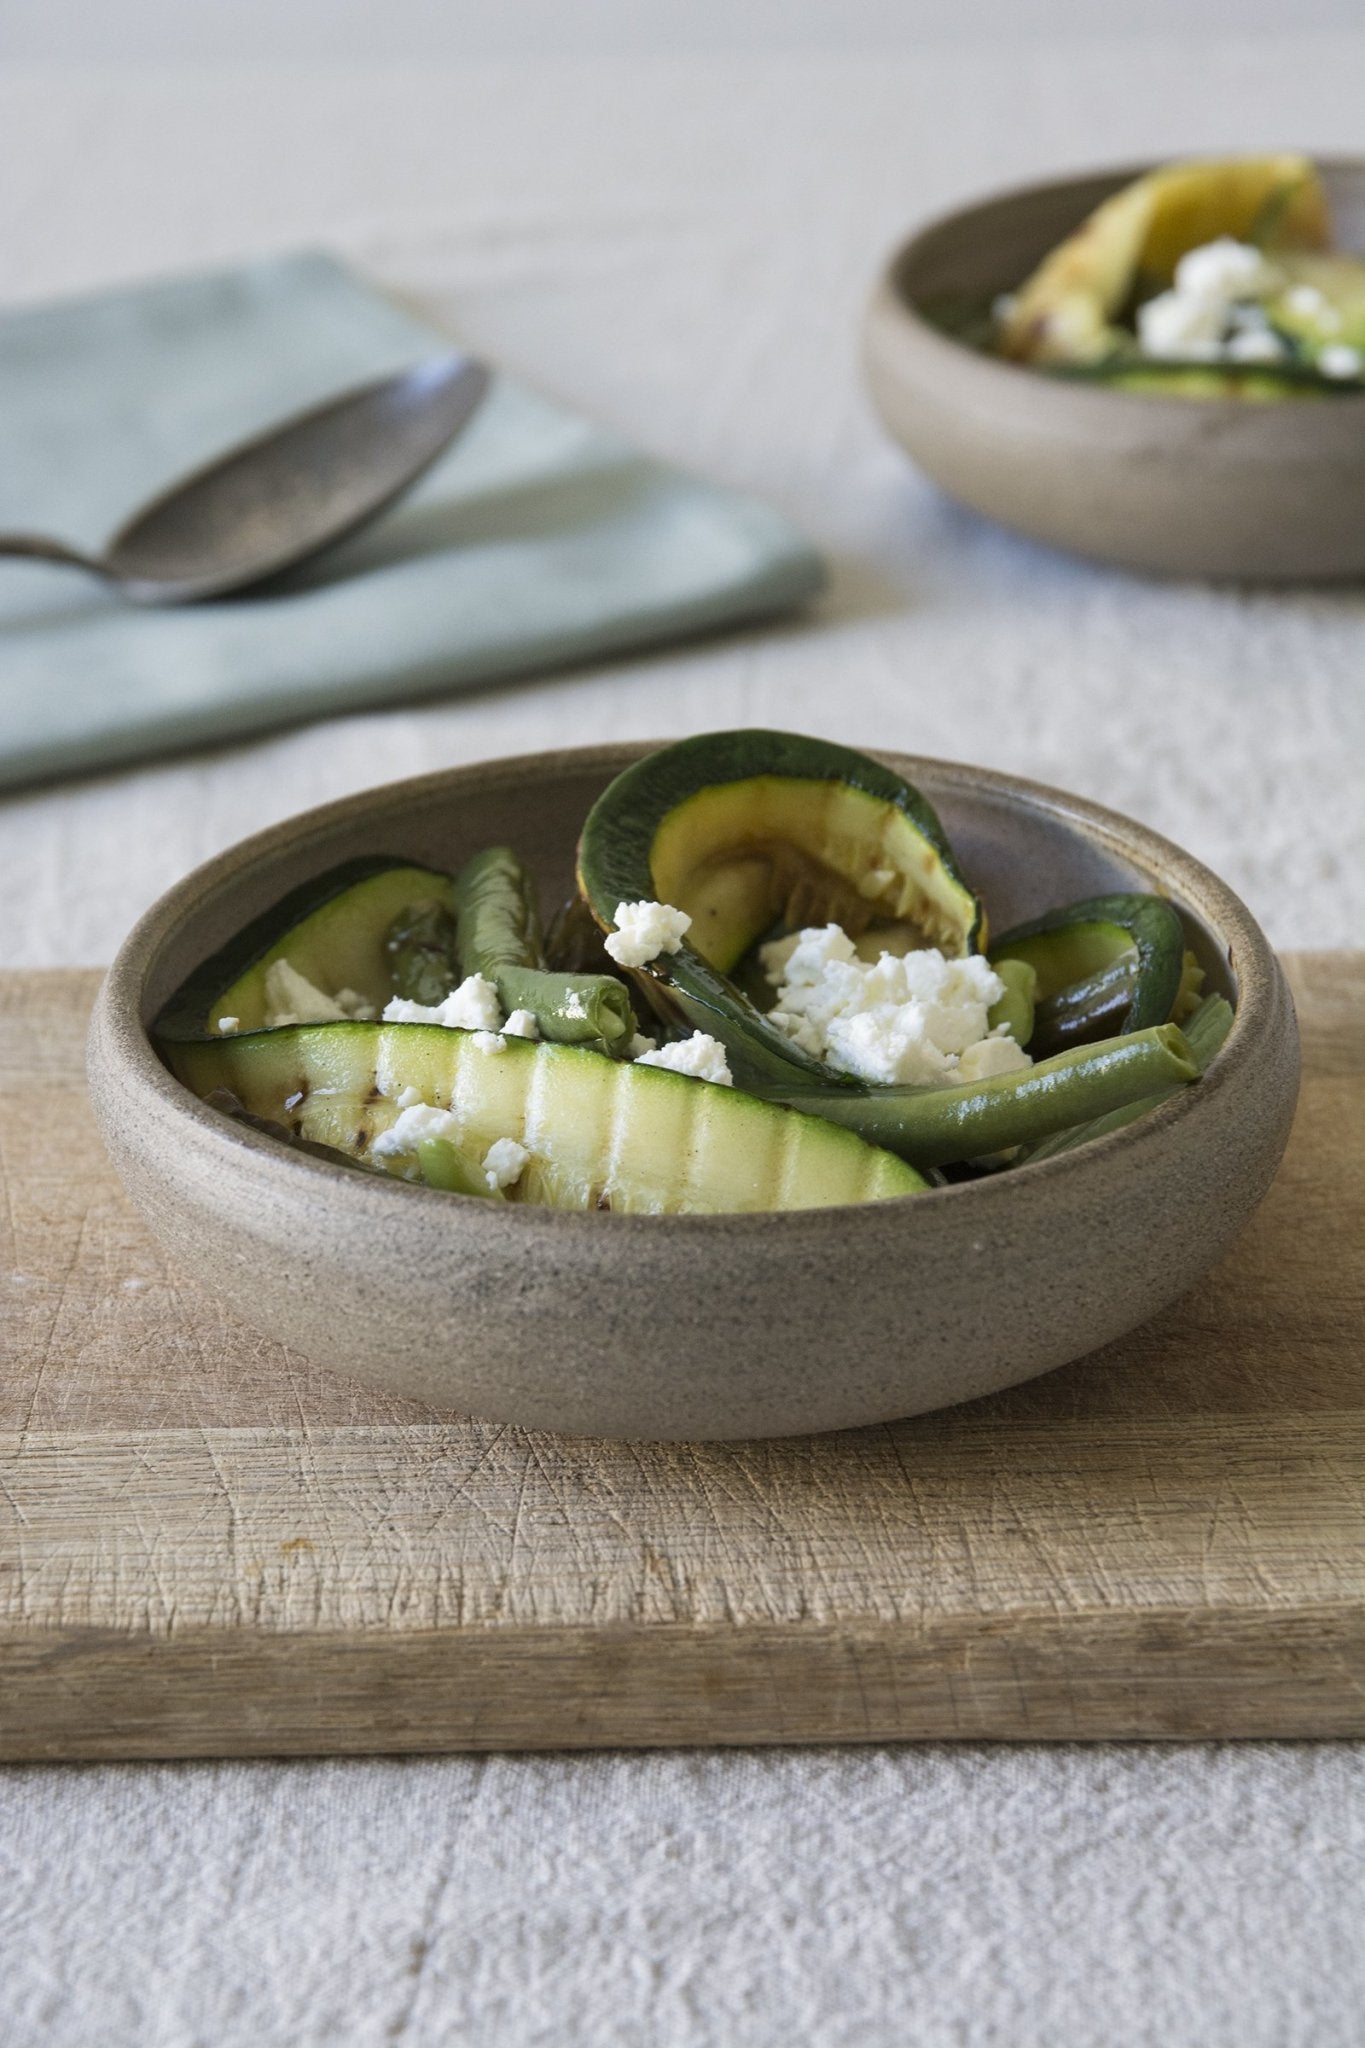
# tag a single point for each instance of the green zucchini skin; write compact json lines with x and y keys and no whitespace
{"x":603,"y":1134}
{"x":338,"y":923}
{"x":686,"y":989}
{"x":1105,"y":966}
{"x":500,"y":938}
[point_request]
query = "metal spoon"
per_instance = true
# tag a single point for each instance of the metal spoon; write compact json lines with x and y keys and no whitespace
{"x":285,"y":494}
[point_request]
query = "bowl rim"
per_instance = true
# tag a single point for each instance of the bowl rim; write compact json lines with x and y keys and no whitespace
{"x":119,"y":1005}
{"x":889,"y":297}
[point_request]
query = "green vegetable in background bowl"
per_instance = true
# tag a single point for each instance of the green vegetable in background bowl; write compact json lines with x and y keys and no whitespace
{"x":1201,"y":279}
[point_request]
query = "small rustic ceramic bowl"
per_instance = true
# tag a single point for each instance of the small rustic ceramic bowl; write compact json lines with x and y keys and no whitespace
{"x":696,"y":1326}
{"x":1182,"y":487}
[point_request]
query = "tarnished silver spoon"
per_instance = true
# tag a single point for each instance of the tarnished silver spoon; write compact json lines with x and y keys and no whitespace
{"x":284,"y":495}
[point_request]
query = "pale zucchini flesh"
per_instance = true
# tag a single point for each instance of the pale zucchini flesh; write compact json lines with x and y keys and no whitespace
{"x":602,"y":1134}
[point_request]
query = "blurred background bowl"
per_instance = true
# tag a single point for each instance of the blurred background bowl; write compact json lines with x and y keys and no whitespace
{"x":1219,"y":488}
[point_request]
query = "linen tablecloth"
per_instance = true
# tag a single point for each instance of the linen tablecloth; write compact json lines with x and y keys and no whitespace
{"x":681,"y":248}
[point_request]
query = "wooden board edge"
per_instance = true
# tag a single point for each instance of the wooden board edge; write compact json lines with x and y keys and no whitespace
{"x":68,"y":1694}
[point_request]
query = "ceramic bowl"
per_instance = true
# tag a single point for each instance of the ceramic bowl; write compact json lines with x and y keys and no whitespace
{"x":696,"y":1326}
{"x":1180,"y":487}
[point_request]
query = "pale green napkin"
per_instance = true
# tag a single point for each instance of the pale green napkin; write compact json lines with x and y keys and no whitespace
{"x":538,"y":539}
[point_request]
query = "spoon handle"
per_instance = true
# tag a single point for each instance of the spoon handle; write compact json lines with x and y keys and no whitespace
{"x":40,"y":548}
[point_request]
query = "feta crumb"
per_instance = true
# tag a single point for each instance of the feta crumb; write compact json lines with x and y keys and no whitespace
{"x":522,"y":1024}
{"x":1311,"y":304}
{"x":1171,"y":326}
{"x":991,"y":1056}
{"x":473,"y":1006}
{"x":227,"y":1025}
{"x":1337,"y":360}
{"x":411,"y":1128}
{"x":908,"y":1019}
{"x":1255,"y":345}
{"x":1193,"y":318}
{"x":353,"y":1005}
{"x":409,"y":1096}
{"x":701,"y":1056}
{"x":488,"y":1041}
{"x":290,"y":998}
{"x":1224,"y":269}
{"x":644,"y":930}
{"x":503,"y":1162}
{"x":639,"y":1045}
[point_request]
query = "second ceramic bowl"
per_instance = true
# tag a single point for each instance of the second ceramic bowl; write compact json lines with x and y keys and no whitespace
{"x":1182,"y":487}
{"x":696,"y":1326}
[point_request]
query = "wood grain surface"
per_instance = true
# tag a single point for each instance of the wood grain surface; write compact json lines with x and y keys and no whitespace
{"x":210,"y":1547}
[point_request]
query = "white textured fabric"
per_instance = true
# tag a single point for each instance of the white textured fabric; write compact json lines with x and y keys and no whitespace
{"x":682,"y":247}
{"x":928,"y":1898}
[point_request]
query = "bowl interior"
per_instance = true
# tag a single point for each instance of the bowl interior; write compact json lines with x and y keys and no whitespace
{"x":955,"y":267}
{"x":1024,"y":848}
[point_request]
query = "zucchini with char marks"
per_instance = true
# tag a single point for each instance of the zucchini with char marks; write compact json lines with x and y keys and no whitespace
{"x":602,"y":1134}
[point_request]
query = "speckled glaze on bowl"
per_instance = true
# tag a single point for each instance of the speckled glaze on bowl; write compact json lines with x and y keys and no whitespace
{"x":696,"y":1326}
{"x":1206,"y":488}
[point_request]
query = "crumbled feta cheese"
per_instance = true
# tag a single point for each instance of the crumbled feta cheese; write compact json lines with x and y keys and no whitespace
{"x":1311,"y":304}
{"x":1224,"y":269}
{"x":574,"y":1005}
{"x":1255,"y":345}
{"x":701,"y":1056}
{"x":352,"y":1004}
{"x":1194,"y":317}
{"x":1337,"y":360}
{"x":1172,"y":326}
{"x":902,"y":1019}
{"x":488,"y":1041}
{"x":290,"y":998}
{"x":522,"y":1024}
{"x":409,"y":1096}
{"x":998,"y":1054}
{"x":411,"y":1128}
{"x":473,"y":1006}
{"x":227,"y":1025}
{"x":503,"y":1162}
{"x":639,"y":1045}
{"x":644,"y":930}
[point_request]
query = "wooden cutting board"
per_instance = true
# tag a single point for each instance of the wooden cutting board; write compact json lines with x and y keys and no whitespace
{"x":209,"y":1547}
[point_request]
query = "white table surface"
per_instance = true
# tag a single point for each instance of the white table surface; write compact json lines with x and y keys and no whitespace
{"x":681,"y":245}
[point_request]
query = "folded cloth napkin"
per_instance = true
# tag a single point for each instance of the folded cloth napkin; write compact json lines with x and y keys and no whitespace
{"x":537,"y":539}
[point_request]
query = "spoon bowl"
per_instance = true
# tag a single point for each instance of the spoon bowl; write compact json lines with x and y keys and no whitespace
{"x":286,"y":494}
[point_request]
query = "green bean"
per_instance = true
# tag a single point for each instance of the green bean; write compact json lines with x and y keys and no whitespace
{"x":1015,"y":1009}
{"x":499,"y":937}
{"x":446,"y":1167}
{"x":1204,"y":1034}
{"x":424,"y":963}
{"x":937,"y":1126}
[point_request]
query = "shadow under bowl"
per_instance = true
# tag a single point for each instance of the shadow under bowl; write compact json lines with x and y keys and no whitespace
{"x":696,"y":1326}
{"x":1219,"y":488}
